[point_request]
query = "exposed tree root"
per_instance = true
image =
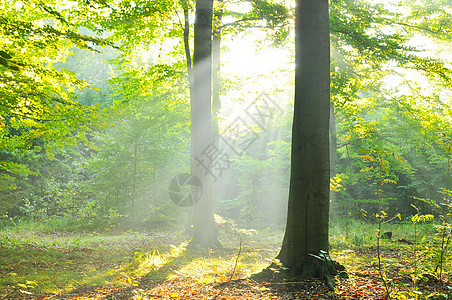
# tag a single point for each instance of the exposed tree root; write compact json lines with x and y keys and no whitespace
{"x":315,"y":266}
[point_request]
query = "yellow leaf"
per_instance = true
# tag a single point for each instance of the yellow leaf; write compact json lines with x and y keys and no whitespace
{"x":174,"y":295}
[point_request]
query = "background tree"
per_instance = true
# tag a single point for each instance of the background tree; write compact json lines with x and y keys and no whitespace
{"x":204,"y":232}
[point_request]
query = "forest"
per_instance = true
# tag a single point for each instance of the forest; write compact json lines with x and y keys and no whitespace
{"x":227,"y":149}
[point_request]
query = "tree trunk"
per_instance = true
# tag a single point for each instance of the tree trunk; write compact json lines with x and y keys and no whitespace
{"x":308,"y":208}
{"x":134,"y":179}
{"x":216,"y":104}
{"x":187,"y":44}
{"x":189,"y":227}
{"x":333,"y":159}
{"x":204,"y":233}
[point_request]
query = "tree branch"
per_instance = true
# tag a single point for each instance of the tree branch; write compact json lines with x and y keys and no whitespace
{"x":419,"y":27}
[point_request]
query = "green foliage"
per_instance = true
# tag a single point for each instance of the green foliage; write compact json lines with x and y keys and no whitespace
{"x":272,"y":16}
{"x":145,"y":137}
{"x":56,"y":149}
{"x":39,"y":116}
{"x":378,"y":107}
{"x":33,"y":85}
{"x":422,"y":218}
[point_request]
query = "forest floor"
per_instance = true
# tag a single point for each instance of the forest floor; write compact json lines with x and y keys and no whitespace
{"x":158,"y":265}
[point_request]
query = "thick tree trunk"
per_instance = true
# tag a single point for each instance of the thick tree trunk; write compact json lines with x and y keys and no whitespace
{"x":308,"y":209}
{"x":204,"y":233}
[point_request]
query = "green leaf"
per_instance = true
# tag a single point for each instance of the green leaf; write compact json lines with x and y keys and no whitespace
{"x":5,"y":55}
{"x":4,"y":62}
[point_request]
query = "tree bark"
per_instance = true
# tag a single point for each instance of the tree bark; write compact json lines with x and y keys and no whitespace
{"x":204,"y":233}
{"x":187,"y":44}
{"x":134,"y":179}
{"x":188,"y":58}
{"x":333,"y":159}
{"x":216,"y":103}
{"x":308,"y":208}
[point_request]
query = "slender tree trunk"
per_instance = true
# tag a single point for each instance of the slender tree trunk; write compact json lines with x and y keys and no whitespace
{"x":189,"y":228}
{"x":216,"y":104}
{"x":216,"y":61}
{"x":333,"y":158}
{"x":154,"y":190}
{"x":204,"y":232}
{"x":134,"y":179}
{"x":187,"y":44}
{"x":308,"y":208}
{"x":117,"y":198}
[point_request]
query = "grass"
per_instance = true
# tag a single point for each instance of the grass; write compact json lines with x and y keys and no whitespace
{"x":357,"y":234}
{"x":49,"y":225}
{"x":37,"y":259}
{"x":407,"y":258}
{"x":204,"y":266}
